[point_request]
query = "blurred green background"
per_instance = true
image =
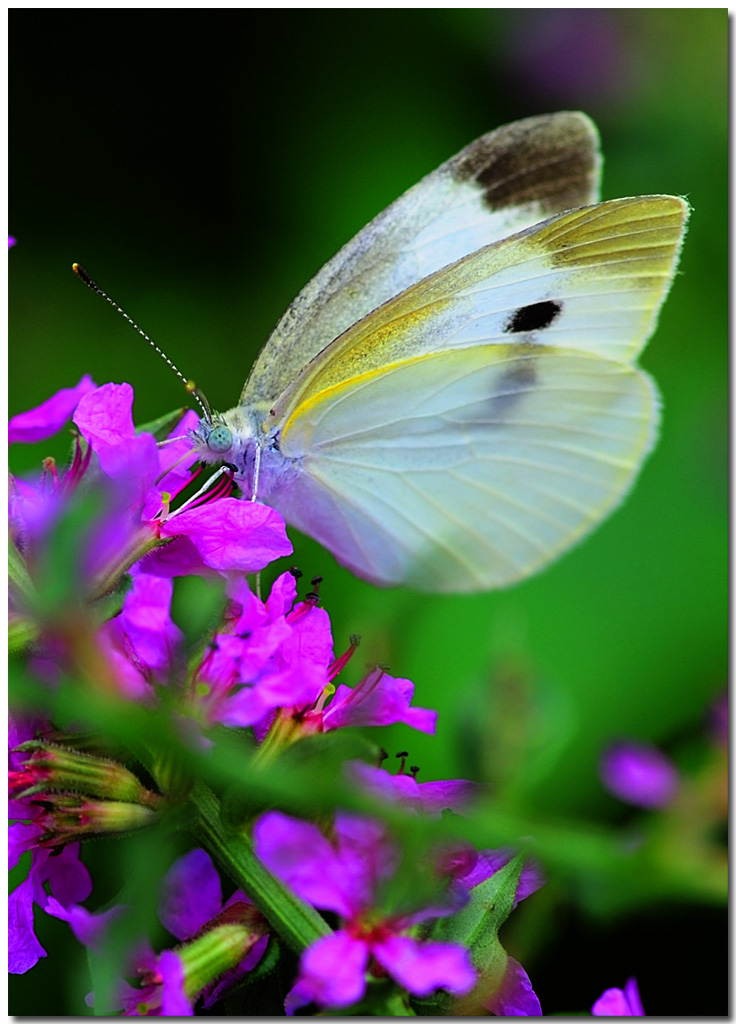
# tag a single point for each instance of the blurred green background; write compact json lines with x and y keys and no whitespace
{"x":203,"y":165}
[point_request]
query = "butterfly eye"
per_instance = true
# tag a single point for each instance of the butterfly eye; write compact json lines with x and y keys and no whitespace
{"x":220,"y":439}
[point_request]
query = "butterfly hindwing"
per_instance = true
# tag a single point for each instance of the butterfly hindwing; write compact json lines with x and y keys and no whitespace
{"x":468,"y":469}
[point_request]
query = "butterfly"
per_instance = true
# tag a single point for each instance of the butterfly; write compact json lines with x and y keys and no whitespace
{"x":453,"y":400}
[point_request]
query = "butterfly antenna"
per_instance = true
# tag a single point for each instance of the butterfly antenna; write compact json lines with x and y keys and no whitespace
{"x":189,"y":385}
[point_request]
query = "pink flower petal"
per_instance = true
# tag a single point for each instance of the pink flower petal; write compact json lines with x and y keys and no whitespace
{"x":191,"y":894}
{"x":24,"y":949}
{"x":48,"y":418}
{"x":232,"y":535}
{"x":379,"y":699}
{"x":639,"y":774}
{"x":424,"y":967}
{"x":87,"y":927}
{"x":617,"y":1003}
{"x":333,"y":970}
{"x":300,"y":856}
{"x":515,"y":997}
{"x":105,"y":420}
{"x":282,"y":596}
{"x":173,"y":1001}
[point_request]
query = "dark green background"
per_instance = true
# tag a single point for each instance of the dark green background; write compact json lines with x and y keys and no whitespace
{"x":203,"y":164}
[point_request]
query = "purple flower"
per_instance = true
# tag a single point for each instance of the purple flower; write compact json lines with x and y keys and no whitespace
{"x":212,"y":534}
{"x":616,"y":1002}
{"x":226,"y":536}
{"x":142,"y":644}
{"x":174,"y":1002}
{"x":515,"y":996}
{"x":639,"y":774}
{"x":488,"y":862}
{"x":263,"y":657}
{"x":269,"y":655}
{"x":467,"y":866}
{"x":191,"y":907}
{"x":89,"y":928}
{"x":379,"y":699}
{"x":191,"y":901}
{"x":48,"y":418}
{"x":345,"y":878}
{"x":69,"y":883}
{"x":427,"y":797}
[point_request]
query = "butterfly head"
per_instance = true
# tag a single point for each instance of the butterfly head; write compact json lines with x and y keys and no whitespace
{"x":235,"y":439}
{"x":219,"y":439}
{"x":226,"y":438}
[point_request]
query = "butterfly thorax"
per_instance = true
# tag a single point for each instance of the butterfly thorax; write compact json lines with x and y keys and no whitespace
{"x":238,"y":439}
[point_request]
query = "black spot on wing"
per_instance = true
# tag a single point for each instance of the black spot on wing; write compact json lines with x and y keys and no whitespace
{"x":550,"y":160}
{"x":535,"y":317}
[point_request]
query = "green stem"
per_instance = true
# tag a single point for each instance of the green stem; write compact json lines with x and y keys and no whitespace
{"x":110,"y":577}
{"x":298,"y":924}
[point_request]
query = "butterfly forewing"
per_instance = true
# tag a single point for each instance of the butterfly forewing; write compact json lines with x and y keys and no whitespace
{"x":499,"y":184}
{"x":590,"y":280}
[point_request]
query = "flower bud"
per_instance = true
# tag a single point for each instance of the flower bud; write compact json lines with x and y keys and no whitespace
{"x":69,"y":817}
{"x":52,"y":767}
{"x":222,"y":945}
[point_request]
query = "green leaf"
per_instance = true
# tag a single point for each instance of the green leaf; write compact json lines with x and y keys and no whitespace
{"x":18,"y":574}
{"x":477,"y":923}
{"x":21,"y":633}
{"x":476,"y":927}
{"x":162,"y":426}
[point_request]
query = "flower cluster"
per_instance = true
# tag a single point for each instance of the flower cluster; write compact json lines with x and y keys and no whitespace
{"x":350,"y":888}
{"x":131,"y":520}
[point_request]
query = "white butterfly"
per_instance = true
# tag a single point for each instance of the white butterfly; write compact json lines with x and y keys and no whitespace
{"x":453,"y":400}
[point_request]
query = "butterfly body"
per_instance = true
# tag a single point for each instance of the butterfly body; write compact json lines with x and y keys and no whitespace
{"x":453,"y":400}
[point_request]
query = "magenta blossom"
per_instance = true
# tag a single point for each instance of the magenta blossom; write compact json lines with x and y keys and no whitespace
{"x":48,"y":418}
{"x":191,"y":905}
{"x":616,"y":1002}
{"x":65,"y":876}
{"x":488,"y":862}
{"x":271,"y":655}
{"x":140,"y":480}
{"x":467,"y":866}
{"x":639,"y":774}
{"x":142,"y":643}
{"x":279,"y":655}
{"x":160,"y":992}
{"x":192,"y":901}
{"x":226,"y":536}
{"x":515,"y":996}
{"x":379,"y":699}
{"x":264,"y":656}
{"x":345,"y":878}
{"x":427,"y":797}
